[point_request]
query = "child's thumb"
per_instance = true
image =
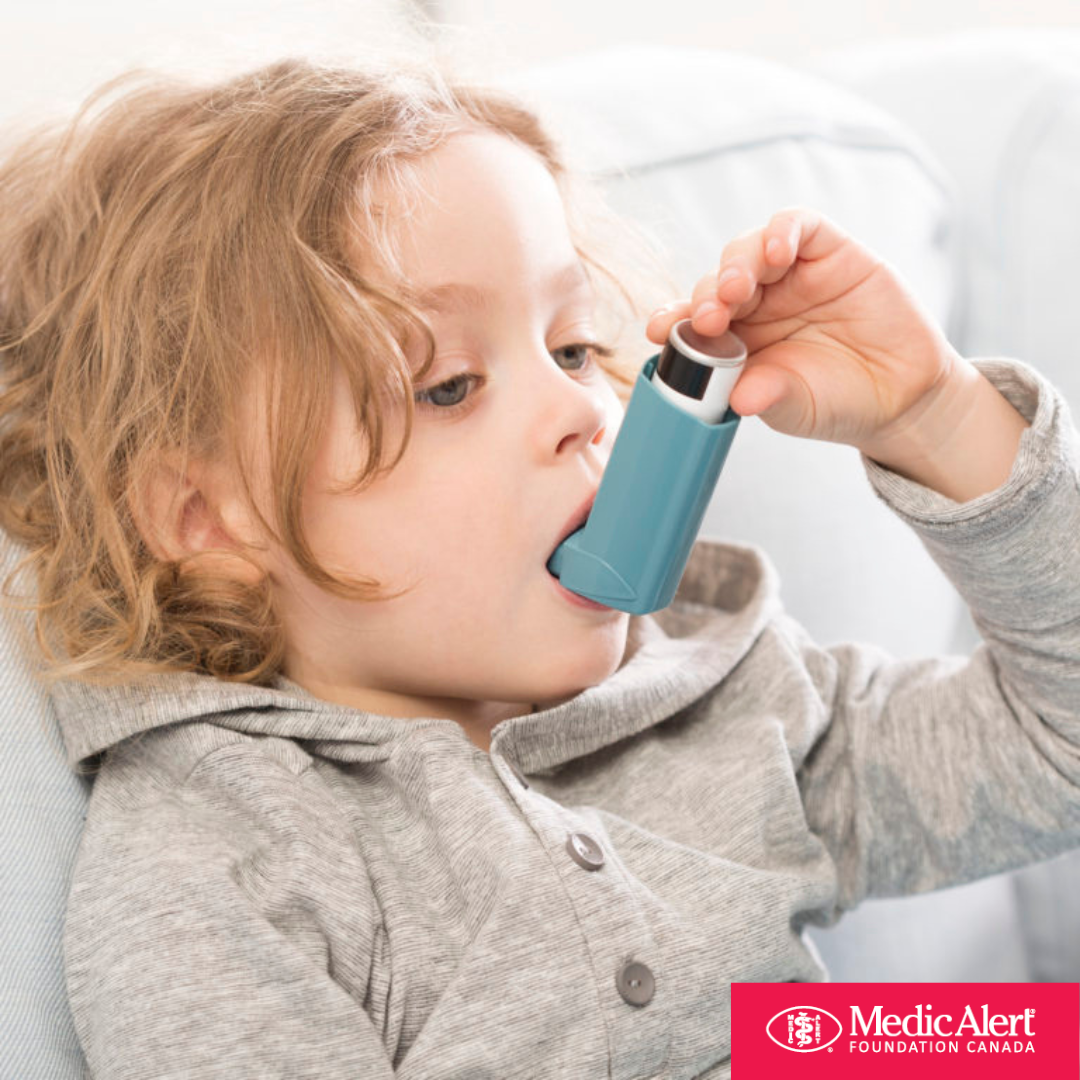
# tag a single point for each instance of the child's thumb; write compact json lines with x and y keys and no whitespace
{"x":758,"y":389}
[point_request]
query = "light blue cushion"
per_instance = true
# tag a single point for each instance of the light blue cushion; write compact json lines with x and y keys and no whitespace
{"x":42,"y":803}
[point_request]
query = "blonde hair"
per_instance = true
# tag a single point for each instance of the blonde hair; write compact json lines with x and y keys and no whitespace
{"x":159,"y":257}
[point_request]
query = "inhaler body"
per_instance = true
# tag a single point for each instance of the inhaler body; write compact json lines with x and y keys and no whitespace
{"x":632,"y":551}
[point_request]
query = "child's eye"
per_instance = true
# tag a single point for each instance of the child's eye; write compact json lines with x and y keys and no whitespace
{"x":592,"y":349}
{"x":444,"y":397}
{"x":450,"y":397}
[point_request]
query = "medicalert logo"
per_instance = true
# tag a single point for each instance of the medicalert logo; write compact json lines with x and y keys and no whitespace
{"x":952,"y":1030}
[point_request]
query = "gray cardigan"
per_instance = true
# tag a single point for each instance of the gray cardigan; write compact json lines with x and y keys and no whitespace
{"x":272,"y":885}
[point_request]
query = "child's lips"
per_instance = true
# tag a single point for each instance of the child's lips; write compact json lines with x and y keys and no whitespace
{"x":575,"y":598}
{"x":576,"y":520}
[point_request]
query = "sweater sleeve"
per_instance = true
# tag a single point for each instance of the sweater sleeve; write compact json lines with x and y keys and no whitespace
{"x":195,"y":939}
{"x":935,"y":771}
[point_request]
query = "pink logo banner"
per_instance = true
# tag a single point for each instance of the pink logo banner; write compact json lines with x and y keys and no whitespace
{"x":839,"y":1030}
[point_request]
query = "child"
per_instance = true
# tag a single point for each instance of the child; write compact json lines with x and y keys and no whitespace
{"x":374,"y":797}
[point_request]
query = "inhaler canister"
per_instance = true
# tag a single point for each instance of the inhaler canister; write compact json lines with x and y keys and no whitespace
{"x":631,"y":552}
{"x":696,"y":372}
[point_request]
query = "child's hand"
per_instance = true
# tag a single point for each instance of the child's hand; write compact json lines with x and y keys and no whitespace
{"x":839,"y":349}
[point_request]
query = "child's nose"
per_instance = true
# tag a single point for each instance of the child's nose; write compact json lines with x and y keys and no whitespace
{"x":577,"y":409}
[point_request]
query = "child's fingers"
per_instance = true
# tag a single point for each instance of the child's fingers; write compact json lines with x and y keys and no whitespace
{"x":714,"y":304}
{"x":757,"y":257}
{"x":714,"y":322}
{"x":752,"y":259}
{"x":763,"y":256}
{"x":662,"y":320}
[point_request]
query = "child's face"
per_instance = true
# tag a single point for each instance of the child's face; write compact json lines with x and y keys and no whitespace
{"x":478,"y":503}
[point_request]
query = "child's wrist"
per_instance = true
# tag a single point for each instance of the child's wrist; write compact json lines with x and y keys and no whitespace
{"x":962,"y":442}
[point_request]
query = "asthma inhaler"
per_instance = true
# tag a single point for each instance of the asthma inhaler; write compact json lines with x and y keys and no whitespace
{"x":631,"y":552}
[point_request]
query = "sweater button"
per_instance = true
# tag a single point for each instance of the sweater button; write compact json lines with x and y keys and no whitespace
{"x":584,"y":850}
{"x":635,"y":983}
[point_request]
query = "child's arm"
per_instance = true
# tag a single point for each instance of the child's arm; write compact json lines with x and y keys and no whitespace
{"x":932,"y":772}
{"x":965,"y":446}
{"x":194,"y":940}
{"x":920,"y":774}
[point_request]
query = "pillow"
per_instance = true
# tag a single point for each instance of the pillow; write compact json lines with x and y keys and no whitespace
{"x":42,"y":805}
{"x":1000,"y":107}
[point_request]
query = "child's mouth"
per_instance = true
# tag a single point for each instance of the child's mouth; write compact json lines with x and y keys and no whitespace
{"x":575,"y":598}
{"x":576,"y":521}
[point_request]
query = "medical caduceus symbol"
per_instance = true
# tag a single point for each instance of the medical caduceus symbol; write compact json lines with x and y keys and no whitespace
{"x":803,"y":1028}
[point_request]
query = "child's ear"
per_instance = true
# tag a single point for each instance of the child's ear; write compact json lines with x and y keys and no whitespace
{"x":191,"y":512}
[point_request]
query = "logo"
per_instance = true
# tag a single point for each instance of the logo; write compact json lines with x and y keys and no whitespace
{"x":894,"y":1031}
{"x":804,"y":1029}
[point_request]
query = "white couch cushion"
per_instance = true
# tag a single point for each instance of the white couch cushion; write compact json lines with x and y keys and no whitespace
{"x":1000,"y":108}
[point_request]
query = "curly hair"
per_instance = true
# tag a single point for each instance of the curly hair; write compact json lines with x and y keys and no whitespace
{"x":163,"y":250}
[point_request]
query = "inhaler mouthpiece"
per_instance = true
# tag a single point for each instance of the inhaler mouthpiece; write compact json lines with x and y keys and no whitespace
{"x":667,"y":457}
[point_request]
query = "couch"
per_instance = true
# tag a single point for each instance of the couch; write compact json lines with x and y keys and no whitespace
{"x":956,"y":158}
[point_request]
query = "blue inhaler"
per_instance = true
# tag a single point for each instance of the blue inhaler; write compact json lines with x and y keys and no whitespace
{"x":631,"y":552}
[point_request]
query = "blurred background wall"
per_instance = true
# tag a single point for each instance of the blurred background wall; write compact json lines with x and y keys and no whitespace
{"x":54,"y":52}
{"x":783,"y":30}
